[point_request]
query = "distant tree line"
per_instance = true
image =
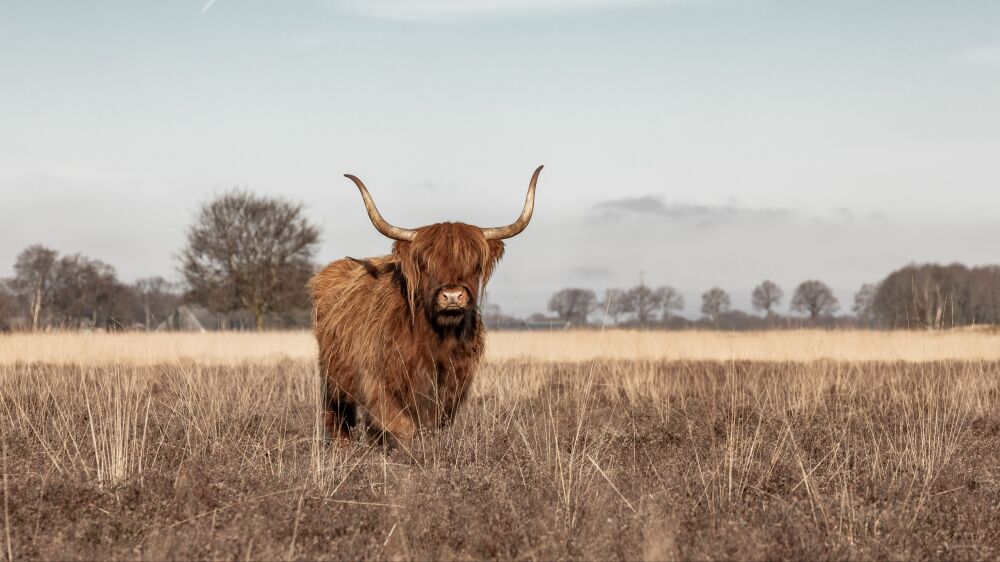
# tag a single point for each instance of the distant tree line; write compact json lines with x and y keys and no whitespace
{"x":75,"y":291}
{"x":245,"y":264}
{"x":247,"y":259}
{"x":916,"y":296}
{"x":643,"y":306}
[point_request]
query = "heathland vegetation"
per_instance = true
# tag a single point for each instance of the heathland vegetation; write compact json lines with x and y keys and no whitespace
{"x":578,"y":444}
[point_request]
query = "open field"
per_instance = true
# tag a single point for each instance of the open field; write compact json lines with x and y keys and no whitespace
{"x":223,"y":348}
{"x":620,"y":445}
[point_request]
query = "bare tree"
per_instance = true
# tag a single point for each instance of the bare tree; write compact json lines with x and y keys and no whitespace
{"x":932,"y":295}
{"x":156,"y":299}
{"x":250,"y":252}
{"x":714,"y":302}
{"x":614,"y":304}
{"x":814,"y":298}
{"x":766,"y":296}
{"x":643,"y":302}
{"x":34,"y":271}
{"x":864,"y":302}
{"x":6,"y":303}
{"x":672,"y":299}
{"x":573,"y":305}
{"x":86,"y":291}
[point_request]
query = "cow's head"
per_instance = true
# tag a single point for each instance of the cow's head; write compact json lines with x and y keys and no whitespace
{"x":446,"y":265}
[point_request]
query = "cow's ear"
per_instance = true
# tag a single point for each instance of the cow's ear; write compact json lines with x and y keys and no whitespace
{"x":368,"y":266}
{"x":403,"y":252}
{"x":496,"y":253}
{"x":398,"y":249}
{"x":496,"y":250}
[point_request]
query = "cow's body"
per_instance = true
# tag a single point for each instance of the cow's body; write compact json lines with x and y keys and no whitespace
{"x":400,"y":335}
{"x":374,"y":353}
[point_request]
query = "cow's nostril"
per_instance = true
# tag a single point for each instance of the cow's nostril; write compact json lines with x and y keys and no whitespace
{"x":453,"y":297}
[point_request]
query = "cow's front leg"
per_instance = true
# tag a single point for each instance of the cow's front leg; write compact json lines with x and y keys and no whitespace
{"x":390,"y":418}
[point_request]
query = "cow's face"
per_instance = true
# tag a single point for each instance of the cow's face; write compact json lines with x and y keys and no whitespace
{"x":446,"y":267}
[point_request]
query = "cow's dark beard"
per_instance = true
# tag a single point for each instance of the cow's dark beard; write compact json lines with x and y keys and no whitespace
{"x":451,"y":317}
{"x":460,"y":324}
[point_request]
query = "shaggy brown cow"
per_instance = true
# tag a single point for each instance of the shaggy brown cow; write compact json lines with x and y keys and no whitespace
{"x":400,"y":335}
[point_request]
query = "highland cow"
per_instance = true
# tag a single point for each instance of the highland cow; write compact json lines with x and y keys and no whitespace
{"x":400,"y":336}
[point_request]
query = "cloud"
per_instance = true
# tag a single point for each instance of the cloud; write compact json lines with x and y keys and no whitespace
{"x":438,"y":10}
{"x":700,"y":214}
{"x":979,"y":56}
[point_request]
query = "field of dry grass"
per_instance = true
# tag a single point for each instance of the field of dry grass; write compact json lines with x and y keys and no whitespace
{"x":620,"y":445}
{"x":225,"y":348}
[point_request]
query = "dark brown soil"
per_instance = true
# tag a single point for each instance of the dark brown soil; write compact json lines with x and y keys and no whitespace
{"x":595,"y":461}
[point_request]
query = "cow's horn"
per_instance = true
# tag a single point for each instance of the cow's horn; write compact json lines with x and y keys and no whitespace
{"x":515,"y":228}
{"x":381,"y":224}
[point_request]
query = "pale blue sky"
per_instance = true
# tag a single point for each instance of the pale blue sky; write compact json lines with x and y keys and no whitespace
{"x":702,"y":142}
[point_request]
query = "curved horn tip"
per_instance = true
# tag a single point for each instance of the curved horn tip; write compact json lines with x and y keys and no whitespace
{"x":357,"y":181}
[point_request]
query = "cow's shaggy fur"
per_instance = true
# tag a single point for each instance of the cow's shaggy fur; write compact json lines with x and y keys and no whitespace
{"x":387,"y":351}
